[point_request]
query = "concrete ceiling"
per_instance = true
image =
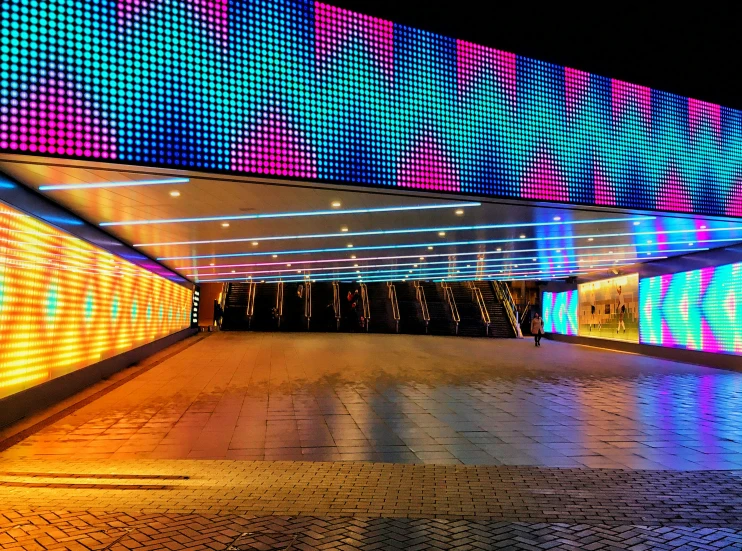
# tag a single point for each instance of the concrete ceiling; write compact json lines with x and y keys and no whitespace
{"x":271,"y":229}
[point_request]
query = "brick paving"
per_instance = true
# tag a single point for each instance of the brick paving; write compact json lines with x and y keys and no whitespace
{"x":405,"y":443}
{"x":409,"y":399}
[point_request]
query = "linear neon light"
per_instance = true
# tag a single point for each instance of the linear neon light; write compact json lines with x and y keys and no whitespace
{"x":419,"y":245}
{"x":133,"y":183}
{"x":485,"y":265}
{"x":293,"y":214}
{"x":439,"y":271}
{"x":437,"y":255}
{"x":394,"y":232}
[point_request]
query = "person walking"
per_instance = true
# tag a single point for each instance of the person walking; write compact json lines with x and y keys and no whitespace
{"x":537,"y":329}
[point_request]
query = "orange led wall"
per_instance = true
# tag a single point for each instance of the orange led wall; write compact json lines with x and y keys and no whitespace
{"x":66,"y":304}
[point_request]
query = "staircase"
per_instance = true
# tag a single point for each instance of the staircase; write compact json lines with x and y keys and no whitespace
{"x":411,"y":318}
{"x":471,"y":324}
{"x":382,"y":317}
{"x":265,"y":301}
{"x":441,"y":320}
{"x":235,"y":307}
{"x":499,"y":322}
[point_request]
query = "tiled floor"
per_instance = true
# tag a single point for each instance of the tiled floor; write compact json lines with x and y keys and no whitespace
{"x":409,"y":399}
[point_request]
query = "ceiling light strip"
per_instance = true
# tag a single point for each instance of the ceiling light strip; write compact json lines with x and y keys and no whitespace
{"x":347,"y":234}
{"x":401,"y":208}
{"x":100,"y":185}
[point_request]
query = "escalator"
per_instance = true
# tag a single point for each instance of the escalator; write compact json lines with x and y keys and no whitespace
{"x":411,"y":318}
{"x":499,"y":323}
{"x":441,"y":319}
{"x":471,"y":324}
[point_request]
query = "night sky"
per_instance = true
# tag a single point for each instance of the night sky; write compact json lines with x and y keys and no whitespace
{"x":696,"y":53}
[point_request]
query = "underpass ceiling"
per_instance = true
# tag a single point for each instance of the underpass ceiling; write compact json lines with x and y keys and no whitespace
{"x":272,"y":229}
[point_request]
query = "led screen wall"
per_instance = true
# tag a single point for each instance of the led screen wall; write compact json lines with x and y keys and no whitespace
{"x":305,"y":90}
{"x":560,"y":312}
{"x":697,"y":310}
{"x":609,"y":308}
{"x":65,"y":304}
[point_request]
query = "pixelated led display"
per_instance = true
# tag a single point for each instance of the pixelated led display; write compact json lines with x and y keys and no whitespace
{"x":697,"y":310}
{"x":560,"y":312}
{"x":65,"y":304}
{"x":305,"y":90}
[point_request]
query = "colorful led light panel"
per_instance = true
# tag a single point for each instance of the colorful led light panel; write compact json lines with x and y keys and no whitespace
{"x":697,"y":310}
{"x":65,"y":304}
{"x":301,"y":89}
{"x":560,"y":312}
{"x":609,"y":308}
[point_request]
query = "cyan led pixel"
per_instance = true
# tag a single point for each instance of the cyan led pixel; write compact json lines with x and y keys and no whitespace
{"x":560,"y":312}
{"x":300,"y":89}
{"x":697,"y":310}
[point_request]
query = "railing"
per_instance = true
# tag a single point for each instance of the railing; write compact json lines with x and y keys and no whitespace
{"x":336,"y":303}
{"x":477,"y":297}
{"x":251,"y":289}
{"x":420,"y":295}
{"x":524,"y":314}
{"x":365,"y":305}
{"x":308,"y":302}
{"x":279,"y":303}
{"x":503,"y":295}
{"x":448,"y":292}
{"x":395,"y":304}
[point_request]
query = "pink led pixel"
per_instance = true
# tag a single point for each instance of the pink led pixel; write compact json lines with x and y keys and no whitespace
{"x":275,"y":146}
{"x":604,"y":194}
{"x":427,"y":166}
{"x":673,"y":196}
{"x":575,"y":87}
{"x":334,"y":28}
{"x":703,"y":113}
{"x":543,"y":181}
{"x":474,"y":61}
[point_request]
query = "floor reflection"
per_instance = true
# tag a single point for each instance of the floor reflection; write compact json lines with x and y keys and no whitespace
{"x":410,"y":399}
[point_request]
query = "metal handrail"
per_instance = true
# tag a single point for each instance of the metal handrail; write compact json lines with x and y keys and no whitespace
{"x":308,"y":301}
{"x":251,"y":290}
{"x":336,"y":303}
{"x":420,"y":295}
{"x":395,"y":303}
{"x":479,"y":299}
{"x":525,"y":311}
{"x":279,"y":303}
{"x":365,"y":305}
{"x":448,"y":293}
{"x":504,"y":296}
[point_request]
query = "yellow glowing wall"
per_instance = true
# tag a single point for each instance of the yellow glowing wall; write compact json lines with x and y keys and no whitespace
{"x":65,"y":304}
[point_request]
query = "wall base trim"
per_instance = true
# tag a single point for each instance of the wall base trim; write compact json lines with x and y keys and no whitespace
{"x":709,"y":359}
{"x":15,"y":407}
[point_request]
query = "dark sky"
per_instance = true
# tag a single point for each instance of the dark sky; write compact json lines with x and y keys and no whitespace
{"x":694,"y":52}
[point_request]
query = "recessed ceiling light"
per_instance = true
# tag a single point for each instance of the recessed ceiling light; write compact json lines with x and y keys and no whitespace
{"x":498,"y":249}
{"x":175,"y":193}
{"x":288,"y":265}
{"x":254,"y":243}
{"x":460,"y":212}
{"x":275,"y":256}
{"x":211,"y":264}
{"x":233,"y":271}
{"x":590,"y":239}
{"x":355,"y":265}
{"x":534,"y":259}
{"x":336,"y":204}
{"x":353,"y":256}
{"x":225,"y":224}
{"x":703,"y":227}
{"x":422,"y":258}
{"x":298,"y":271}
{"x":410,"y":271}
{"x":468,"y":265}
{"x":559,"y":250}
{"x":649,"y":241}
{"x":690,"y":244}
{"x":414,"y":265}
{"x":610,"y":252}
{"x":430,"y":248}
{"x":344,"y":228}
{"x":557,"y":218}
{"x":442,"y":233}
{"x":522,"y":236}
{"x":637,"y":223}
{"x":350,"y":245}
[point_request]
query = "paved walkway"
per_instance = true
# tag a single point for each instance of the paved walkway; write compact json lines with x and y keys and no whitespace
{"x":337,"y":442}
{"x":409,"y":399}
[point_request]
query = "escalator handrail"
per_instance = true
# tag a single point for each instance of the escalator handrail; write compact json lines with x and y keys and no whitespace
{"x":365,"y":305}
{"x":420,"y":295}
{"x":504,"y":296}
{"x":251,"y":291}
{"x":308,"y":301}
{"x":395,"y":302}
{"x":482,"y":305}
{"x":448,"y":293}
{"x":336,"y":300}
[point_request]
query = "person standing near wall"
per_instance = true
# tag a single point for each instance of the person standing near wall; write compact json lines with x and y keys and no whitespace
{"x":537,"y":329}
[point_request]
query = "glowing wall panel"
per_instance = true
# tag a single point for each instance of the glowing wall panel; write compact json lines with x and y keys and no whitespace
{"x":305,"y":90}
{"x":609,"y":308}
{"x":697,"y":310}
{"x":65,"y":304}
{"x":560,"y":312}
